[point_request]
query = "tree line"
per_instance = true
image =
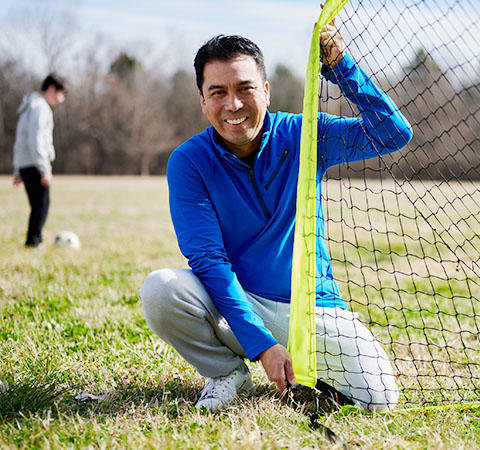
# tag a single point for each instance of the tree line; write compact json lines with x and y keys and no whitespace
{"x":126,"y":119}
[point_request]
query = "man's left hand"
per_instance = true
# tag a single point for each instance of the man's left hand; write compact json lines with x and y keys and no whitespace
{"x":17,"y":180}
{"x":278,"y":366}
{"x":46,"y":179}
{"x":332,"y":45}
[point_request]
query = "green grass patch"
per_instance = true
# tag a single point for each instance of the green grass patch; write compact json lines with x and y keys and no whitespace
{"x":72,"y":323}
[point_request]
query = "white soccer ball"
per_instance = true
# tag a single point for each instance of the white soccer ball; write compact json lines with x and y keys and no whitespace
{"x":67,"y":239}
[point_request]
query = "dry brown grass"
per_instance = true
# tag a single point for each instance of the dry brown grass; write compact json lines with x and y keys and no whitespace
{"x":73,"y":318}
{"x":408,"y":257}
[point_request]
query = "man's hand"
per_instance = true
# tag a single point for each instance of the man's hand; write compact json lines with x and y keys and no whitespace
{"x":332,"y":44}
{"x":17,"y":181}
{"x":46,"y":179}
{"x":278,"y":366}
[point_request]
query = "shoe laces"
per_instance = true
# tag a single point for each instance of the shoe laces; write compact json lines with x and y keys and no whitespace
{"x":218,"y":387}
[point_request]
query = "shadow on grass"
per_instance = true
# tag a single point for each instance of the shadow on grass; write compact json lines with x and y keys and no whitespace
{"x":174,"y":398}
{"x":28,"y":397}
{"x":32,"y":396}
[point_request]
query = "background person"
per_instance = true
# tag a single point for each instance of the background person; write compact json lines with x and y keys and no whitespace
{"x":232,"y":195}
{"x":33,"y":151}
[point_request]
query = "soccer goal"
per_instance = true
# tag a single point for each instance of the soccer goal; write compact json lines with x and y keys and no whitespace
{"x":403,"y":229}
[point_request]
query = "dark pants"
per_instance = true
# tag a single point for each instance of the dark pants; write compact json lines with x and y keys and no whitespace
{"x":39,"y":198}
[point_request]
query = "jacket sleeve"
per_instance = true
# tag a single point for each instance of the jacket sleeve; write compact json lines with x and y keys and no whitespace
{"x":40,"y":138}
{"x":201,"y":242}
{"x":381,"y":128}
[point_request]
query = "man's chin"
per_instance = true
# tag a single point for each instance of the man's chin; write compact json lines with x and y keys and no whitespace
{"x":235,"y":142}
{"x":235,"y":139}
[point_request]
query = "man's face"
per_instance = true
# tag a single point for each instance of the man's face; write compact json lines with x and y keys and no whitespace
{"x":54,"y":96}
{"x":235,"y":99}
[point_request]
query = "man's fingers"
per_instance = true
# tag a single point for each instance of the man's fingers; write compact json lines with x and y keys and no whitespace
{"x":279,"y":377}
{"x":289,"y":373}
{"x":278,"y":366}
{"x":285,"y":375}
{"x":326,"y":35}
{"x":282,"y":382}
{"x":329,"y":31}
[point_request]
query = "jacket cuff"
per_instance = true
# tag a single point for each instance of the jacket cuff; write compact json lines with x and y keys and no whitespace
{"x":43,"y":170}
{"x":340,"y":71}
{"x":265,"y":344}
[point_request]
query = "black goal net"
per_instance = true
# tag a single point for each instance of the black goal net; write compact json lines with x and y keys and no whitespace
{"x":403,"y":229}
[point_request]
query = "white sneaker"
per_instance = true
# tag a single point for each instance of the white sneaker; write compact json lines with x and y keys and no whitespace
{"x":218,"y":392}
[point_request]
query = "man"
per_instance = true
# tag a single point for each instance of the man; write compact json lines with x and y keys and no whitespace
{"x":33,"y":151}
{"x":232,"y":200}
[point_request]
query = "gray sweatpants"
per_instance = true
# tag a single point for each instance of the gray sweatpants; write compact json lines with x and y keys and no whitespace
{"x":179,"y":310}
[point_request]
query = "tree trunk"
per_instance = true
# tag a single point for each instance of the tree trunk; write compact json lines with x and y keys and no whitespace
{"x":145,"y":164}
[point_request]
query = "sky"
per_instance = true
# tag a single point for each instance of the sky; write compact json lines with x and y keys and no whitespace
{"x":382,"y":34}
{"x":183,"y":25}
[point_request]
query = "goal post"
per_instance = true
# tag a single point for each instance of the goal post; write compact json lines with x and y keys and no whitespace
{"x":302,"y":335}
{"x":402,"y":229}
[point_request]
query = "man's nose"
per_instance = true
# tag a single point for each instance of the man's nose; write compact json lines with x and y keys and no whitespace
{"x":233,"y":103}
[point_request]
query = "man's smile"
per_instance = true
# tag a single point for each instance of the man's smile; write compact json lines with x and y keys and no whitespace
{"x":236,"y":121}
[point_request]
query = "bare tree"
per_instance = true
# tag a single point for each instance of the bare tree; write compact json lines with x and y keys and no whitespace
{"x":15,"y":81}
{"x":46,"y":34}
{"x":137,"y":98}
{"x":287,"y":90}
{"x":184,"y":106}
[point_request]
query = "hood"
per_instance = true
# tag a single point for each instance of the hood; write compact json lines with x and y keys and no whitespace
{"x":27,"y":100}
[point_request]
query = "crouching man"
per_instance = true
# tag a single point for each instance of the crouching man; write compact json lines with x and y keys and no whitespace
{"x":232,"y":195}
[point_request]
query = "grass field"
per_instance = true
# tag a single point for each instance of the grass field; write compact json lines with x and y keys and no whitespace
{"x":72,"y":323}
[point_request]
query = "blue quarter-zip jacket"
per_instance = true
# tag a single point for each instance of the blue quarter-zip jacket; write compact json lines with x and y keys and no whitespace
{"x":235,"y":223}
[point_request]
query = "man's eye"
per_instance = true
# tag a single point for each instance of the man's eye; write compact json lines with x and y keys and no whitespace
{"x":247,"y":88}
{"x":216,"y":93}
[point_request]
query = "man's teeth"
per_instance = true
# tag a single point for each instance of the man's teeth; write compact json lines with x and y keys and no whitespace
{"x":236,"y":121}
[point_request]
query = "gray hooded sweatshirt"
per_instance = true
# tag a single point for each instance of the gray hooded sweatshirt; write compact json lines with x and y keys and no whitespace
{"x":34,"y":136}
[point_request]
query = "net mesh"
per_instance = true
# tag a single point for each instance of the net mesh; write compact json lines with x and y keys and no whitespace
{"x":402,"y":229}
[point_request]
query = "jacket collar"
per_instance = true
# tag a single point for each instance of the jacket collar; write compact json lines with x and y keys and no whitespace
{"x":224,"y":153}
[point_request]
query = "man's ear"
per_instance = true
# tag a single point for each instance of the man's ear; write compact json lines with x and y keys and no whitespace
{"x":202,"y":101}
{"x":266,"y":88}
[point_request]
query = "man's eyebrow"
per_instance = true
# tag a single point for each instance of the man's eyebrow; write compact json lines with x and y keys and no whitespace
{"x":243,"y":83}
{"x":220,"y":86}
{"x":215,"y":86}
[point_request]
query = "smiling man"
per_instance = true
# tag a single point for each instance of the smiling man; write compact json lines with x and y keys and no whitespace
{"x":233,"y":199}
{"x":234,"y":97}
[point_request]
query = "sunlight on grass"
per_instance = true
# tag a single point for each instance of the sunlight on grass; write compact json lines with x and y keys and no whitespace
{"x":396,"y":254}
{"x":72,"y":323}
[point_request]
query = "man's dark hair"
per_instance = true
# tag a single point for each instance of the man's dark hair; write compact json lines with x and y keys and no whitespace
{"x":224,"y":48}
{"x":54,"y":80}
